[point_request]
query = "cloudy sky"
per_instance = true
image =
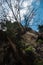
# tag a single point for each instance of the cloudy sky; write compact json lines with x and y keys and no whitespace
{"x":24,"y":10}
{"x":38,"y":19}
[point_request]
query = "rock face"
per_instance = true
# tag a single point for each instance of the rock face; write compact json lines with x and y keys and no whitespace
{"x":39,"y":50}
{"x":31,"y":38}
{"x":20,"y":57}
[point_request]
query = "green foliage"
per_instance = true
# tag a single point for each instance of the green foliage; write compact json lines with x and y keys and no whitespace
{"x":38,"y":60}
{"x":13,"y":31}
{"x":30,"y":48}
{"x":39,"y":63}
{"x":40,"y":41}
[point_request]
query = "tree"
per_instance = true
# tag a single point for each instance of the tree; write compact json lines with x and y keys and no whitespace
{"x":15,"y":9}
{"x":40,"y":27}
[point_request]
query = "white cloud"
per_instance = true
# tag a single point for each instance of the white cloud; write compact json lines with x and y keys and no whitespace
{"x":10,"y":14}
{"x":25,"y":6}
{"x":27,"y":3}
{"x":23,"y":12}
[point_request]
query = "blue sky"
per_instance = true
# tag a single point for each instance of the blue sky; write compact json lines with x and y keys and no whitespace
{"x":38,"y":17}
{"x":41,"y":9}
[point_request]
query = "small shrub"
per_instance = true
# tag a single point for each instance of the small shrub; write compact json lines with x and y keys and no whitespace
{"x":40,"y":41}
{"x":30,"y":48}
